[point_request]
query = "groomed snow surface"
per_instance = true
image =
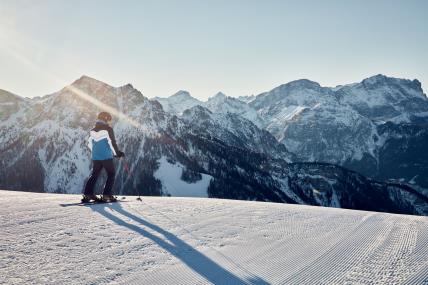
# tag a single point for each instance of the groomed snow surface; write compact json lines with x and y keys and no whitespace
{"x":45,"y":239}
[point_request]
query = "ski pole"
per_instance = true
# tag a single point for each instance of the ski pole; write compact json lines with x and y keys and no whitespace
{"x":126,"y":166}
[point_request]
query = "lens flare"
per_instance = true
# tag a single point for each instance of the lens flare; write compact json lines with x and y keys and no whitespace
{"x":82,"y":94}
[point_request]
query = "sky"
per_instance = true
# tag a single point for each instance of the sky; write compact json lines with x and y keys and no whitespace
{"x":236,"y":47}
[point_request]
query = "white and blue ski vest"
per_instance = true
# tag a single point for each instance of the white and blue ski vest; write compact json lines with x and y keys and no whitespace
{"x":102,"y":142}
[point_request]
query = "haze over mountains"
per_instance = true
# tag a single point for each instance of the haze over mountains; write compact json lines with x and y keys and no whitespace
{"x":284,"y":145}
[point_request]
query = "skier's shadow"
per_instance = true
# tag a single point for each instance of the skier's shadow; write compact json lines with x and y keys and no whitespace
{"x":200,"y":263}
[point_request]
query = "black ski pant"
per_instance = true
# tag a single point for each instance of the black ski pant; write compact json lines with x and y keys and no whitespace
{"x":98,"y":165}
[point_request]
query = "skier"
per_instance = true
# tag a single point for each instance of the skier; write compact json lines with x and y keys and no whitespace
{"x":102,"y":144}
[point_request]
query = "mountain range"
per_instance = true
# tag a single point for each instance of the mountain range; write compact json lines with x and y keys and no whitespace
{"x":377,"y":127}
{"x":298,"y":143}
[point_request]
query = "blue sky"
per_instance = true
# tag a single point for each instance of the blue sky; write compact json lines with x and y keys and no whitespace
{"x":237,"y":47}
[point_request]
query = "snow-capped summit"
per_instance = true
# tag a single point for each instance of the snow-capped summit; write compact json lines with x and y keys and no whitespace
{"x":128,"y":86}
{"x":355,"y":125}
{"x":383,"y":98}
{"x":219,"y":103}
{"x":182,"y":94}
{"x":178,"y":102}
{"x":101,"y":90}
{"x":295,"y":86}
{"x":218,"y":96}
{"x":302,"y":92}
{"x":222,"y":104}
{"x":303,"y":83}
{"x":380,"y":79}
{"x":86,"y":81}
{"x":247,"y":98}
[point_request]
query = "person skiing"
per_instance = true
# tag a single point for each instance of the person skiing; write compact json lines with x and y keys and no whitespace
{"x":102,"y":144}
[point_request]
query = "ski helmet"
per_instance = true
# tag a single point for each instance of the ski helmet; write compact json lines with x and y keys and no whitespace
{"x":104,"y":116}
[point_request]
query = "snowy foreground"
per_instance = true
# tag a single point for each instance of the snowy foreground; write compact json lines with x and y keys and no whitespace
{"x":44,"y":239}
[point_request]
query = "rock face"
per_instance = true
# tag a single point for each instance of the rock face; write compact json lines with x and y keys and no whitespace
{"x":364,"y":126}
{"x":383,"y":99}
{"x":43,"y":146}
{"x":312,"y":123}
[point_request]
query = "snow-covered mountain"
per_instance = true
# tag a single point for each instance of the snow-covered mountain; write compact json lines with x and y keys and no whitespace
{"x":314,"y":124}
{"x":377,"y":127}
{"x":178,"y":102}
{"x":234,"y":130}
{"x":199,"y":153}
{"x":350,"y":125}
{"x":220,"y":103}
{"x":247,"y":98}
{"x":386,"y":99}
{"x":204,"y":241}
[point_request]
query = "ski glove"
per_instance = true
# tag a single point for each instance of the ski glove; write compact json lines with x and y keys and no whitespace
{"x":120,"y":154}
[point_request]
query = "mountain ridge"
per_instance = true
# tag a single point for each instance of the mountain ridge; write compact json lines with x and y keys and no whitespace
{"x":302,"y":81}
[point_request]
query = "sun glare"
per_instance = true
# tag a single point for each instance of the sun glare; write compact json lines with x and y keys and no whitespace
{"x":13,"y":51}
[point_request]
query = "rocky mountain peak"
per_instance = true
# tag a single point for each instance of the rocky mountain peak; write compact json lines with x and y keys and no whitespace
{"x":128,"y":86}
{"x":291,"y":87}
{"x":302,"y":84}
{"x":380,"y":80}
{"x":183,"y":94}
{"x":85,"y":80}
{"x":247,"y":98}
{"x":220,"y":95}
{"x":6,"y":96}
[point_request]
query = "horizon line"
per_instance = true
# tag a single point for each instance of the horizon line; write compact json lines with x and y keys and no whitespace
{"x":184,"y":90}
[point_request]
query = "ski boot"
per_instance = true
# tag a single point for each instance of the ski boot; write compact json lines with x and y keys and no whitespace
{"x":108,"y":198}
{"x":89,"y":198}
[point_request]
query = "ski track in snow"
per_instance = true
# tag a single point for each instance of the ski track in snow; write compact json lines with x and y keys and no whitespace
{"x":165,"y":240}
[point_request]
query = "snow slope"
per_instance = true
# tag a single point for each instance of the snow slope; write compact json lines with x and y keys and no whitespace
{"x":170,"y":176}
{"x":45,"y":239}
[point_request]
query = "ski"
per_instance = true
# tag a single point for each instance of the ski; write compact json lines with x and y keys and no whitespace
{"x":83,"y":203}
